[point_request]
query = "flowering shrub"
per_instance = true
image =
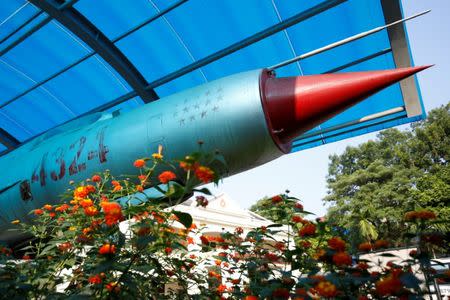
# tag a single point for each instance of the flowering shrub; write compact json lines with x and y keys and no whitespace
{"x":81,"y":248}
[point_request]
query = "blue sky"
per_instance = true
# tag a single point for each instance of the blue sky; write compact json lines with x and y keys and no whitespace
{"x":304,"y":173}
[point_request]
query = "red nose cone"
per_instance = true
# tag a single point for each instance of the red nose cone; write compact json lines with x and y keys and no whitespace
{"x":295,"y":105}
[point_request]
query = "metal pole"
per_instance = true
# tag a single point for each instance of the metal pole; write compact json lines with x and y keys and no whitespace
{"x":344,"y":41}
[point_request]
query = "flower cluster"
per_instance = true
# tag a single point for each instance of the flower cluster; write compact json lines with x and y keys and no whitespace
{"x":106,"y":242}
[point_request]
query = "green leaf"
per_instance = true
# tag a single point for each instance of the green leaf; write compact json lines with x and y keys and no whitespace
{"x":274,"y":225}
{"x":183,"y":218}
{"x":203,"y":191}
{"x":387,"y":255}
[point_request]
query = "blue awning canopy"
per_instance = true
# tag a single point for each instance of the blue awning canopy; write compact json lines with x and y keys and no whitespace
{"x":60,"y":60}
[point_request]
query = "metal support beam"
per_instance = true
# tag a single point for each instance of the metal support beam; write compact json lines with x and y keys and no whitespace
{"x":85,"y":57}
{"x":8,"y":140}
{"x":400,"y":50}
{"x":378,"y":118}
{"x":94,"y":38}
{"x":33,"y":29}
{"x":34,"y":16}
{"x":302,"y":16}
{"x":358,"y":61}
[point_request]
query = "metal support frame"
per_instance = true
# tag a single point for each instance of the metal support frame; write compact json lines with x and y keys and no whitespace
{"x":391,"y":115}
{"x":302,"y":16}
{"x":8,"y":140}
{"x":32,"y":18}
{"x":94,"y":38}
{"x":85,"y":57}
{"x":392,"y":11}
{"x":33,"y":29}
{"x":358,"y":61}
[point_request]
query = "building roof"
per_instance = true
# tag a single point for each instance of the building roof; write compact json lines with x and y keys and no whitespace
{"x":221,"y":213}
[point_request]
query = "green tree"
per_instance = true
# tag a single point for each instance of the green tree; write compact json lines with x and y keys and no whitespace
{"x":372,"y":186}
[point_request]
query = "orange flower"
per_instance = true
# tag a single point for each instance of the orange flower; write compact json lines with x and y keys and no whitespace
{"x":362,"y":266}
{"x":62,"y":208}
{"x":96,"y":178}
{"x":187,"y":166}
{"x":204,"y":174}
{"x":272,"y":257}
{"x":297,"y":219}
{"x":139,"y":163}
{"x":166,"y":176}
{"x":86,"y":203}
{"x":107,"y":249}
{"x":213,"y":274}
{"x":204,"y":240}
{"x":64,"y":246}
{"x":389,"y":285}
{"x":48,"y":207}
{"x":250,"y":297}
{"x":87,"y":230}
{"x":276,"y":199}
{"x":221,"y":288}
{"x":298,"y":206}
{"x":91,"y":211}
{"x":305,"y":244}
{"x":342,"y":258}
{"x":190,"y":240}
{"x":336,"y":243}
{"x":157,"y":217}
{"x":115,"y":183}
{"x":117,"y":188}
{"x":80,"y":192}
{"x":326,"y":289}
{"x":95,"y":279}
{"x":90,"y":189}
{"x":381,"y":244}
{"x":308,"y":229}
{"x":280,"y":246}
{"x":139,"y":188}
{"x":319,"y":254}
{"x":365,"y":247}
{"x":113,"y":287}
{"x":74,"y":208}
{"x":38,"y":212}
{"x":113,"y":212}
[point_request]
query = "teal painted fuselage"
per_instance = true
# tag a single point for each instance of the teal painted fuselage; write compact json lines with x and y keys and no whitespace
{"x":225,"y":114}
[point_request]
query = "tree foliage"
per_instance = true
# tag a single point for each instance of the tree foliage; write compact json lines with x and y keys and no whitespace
{"x":371,"y":186}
